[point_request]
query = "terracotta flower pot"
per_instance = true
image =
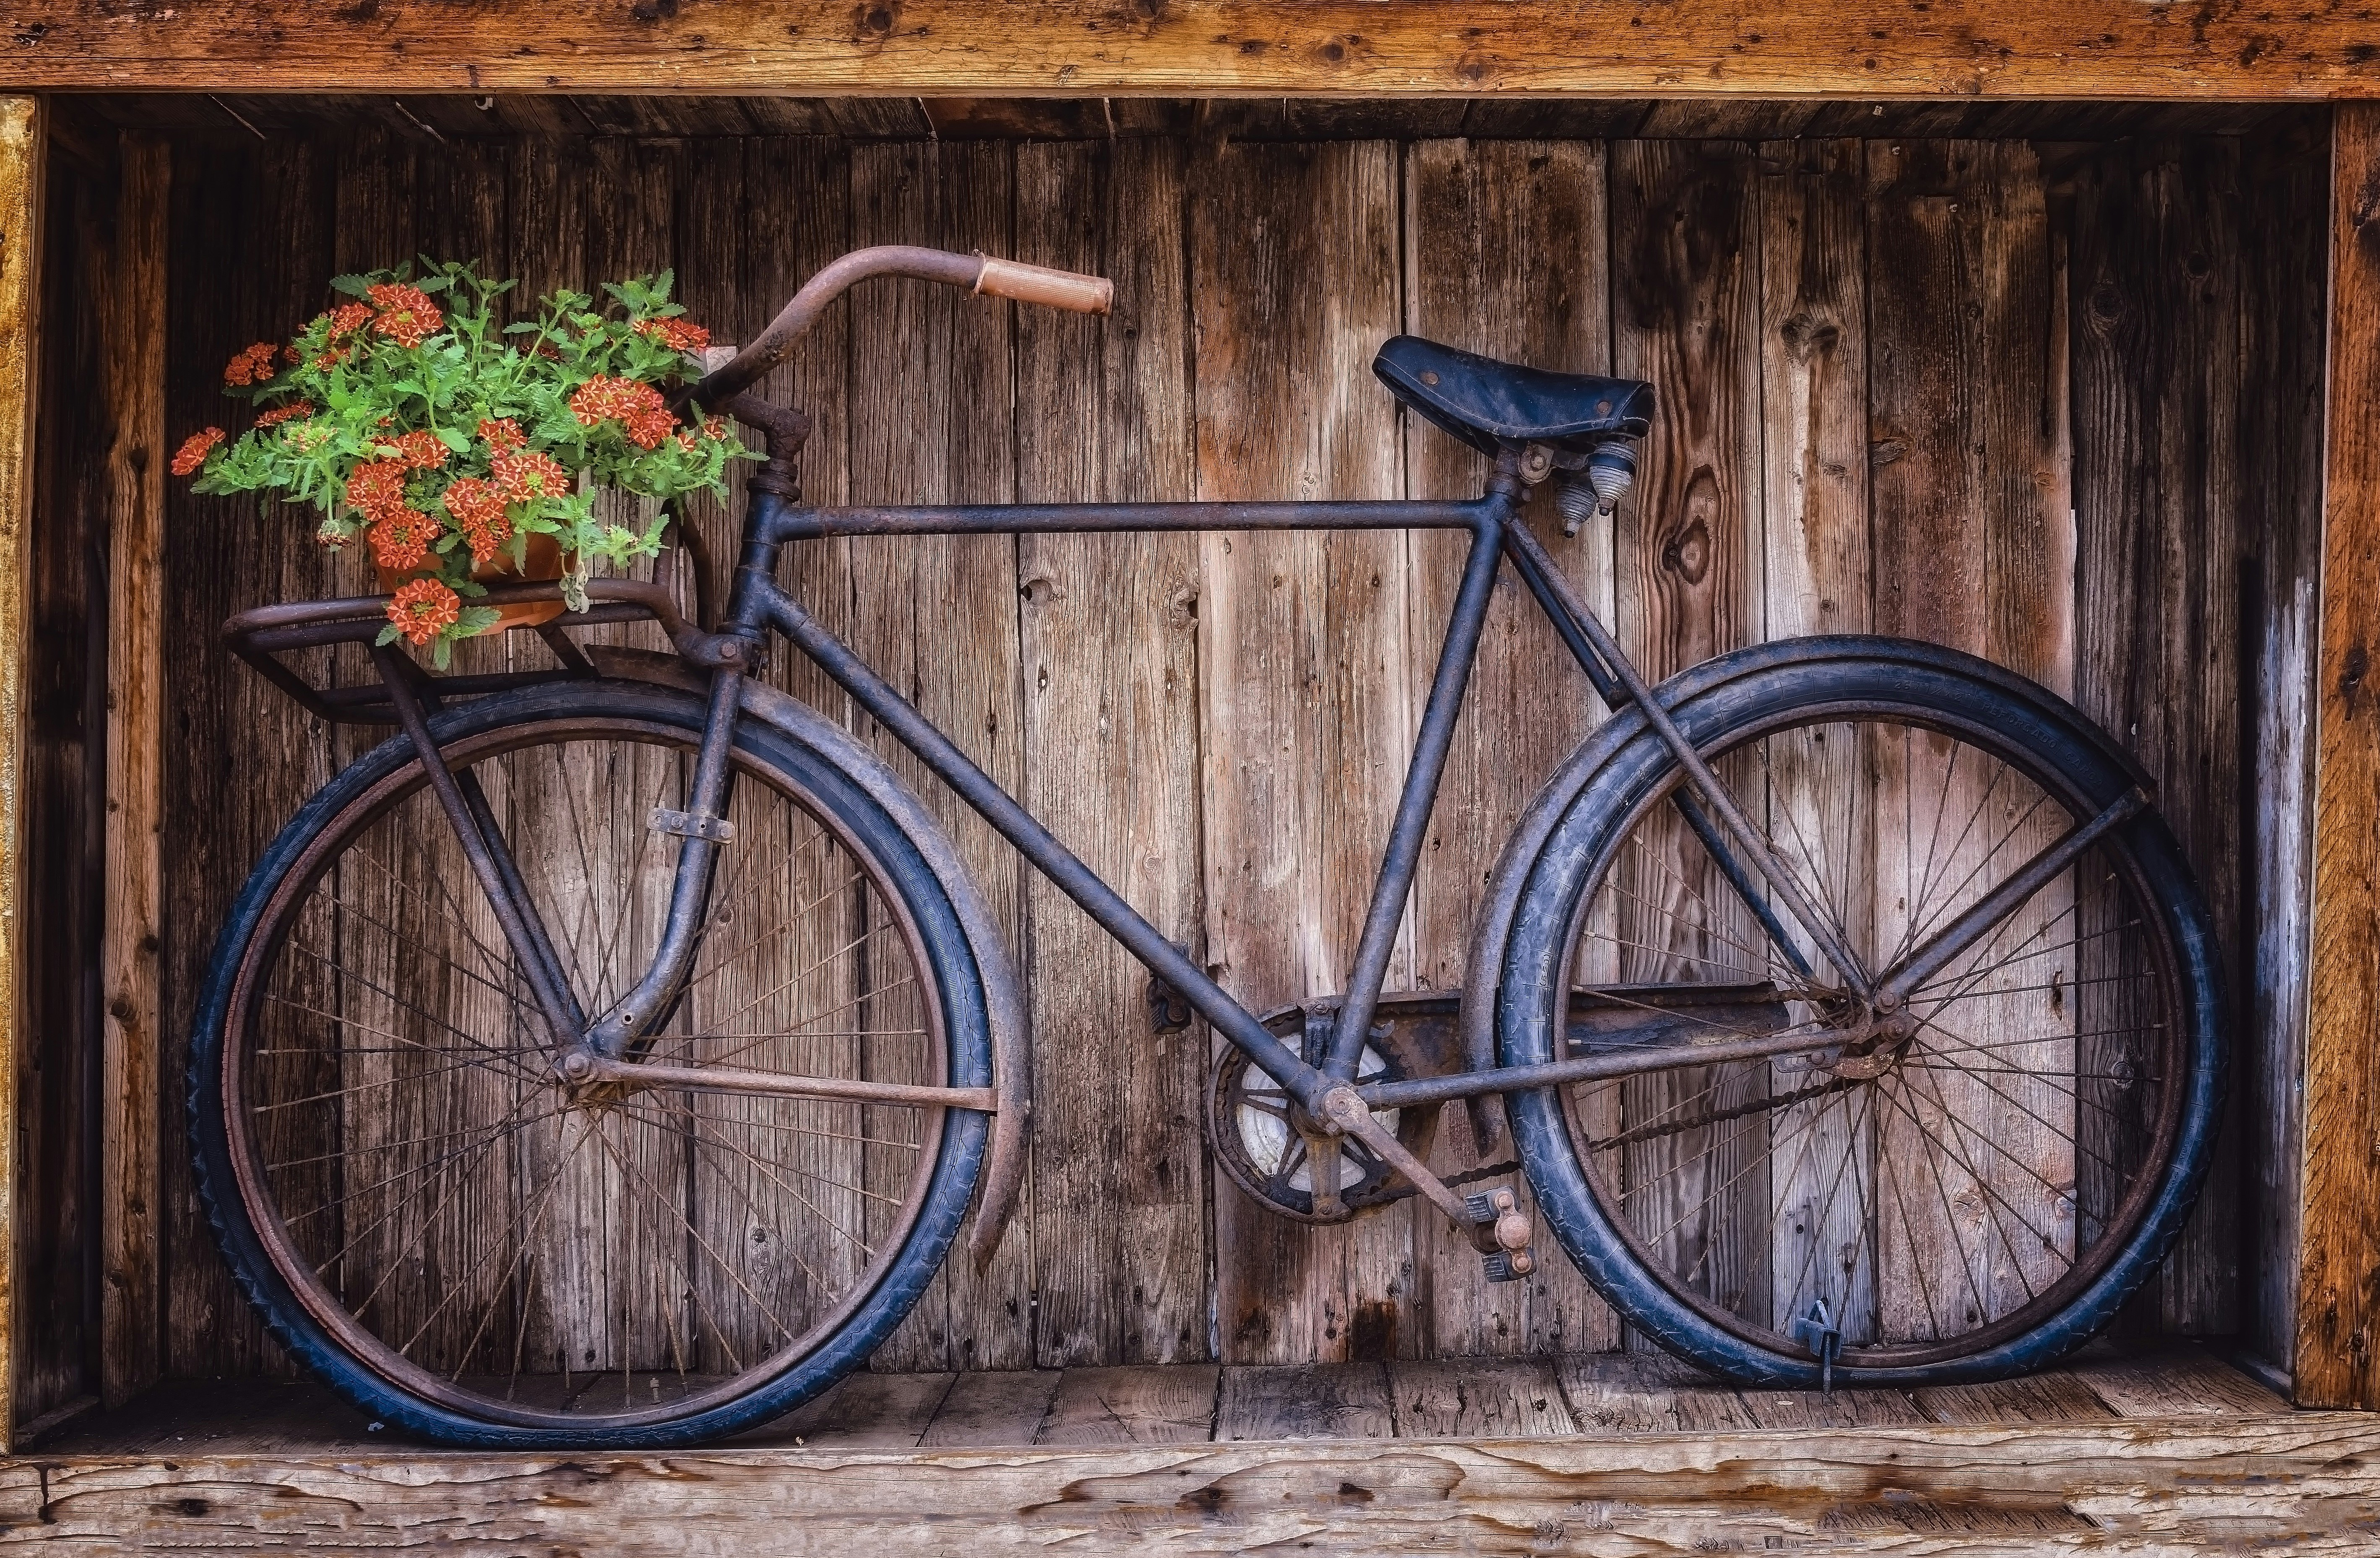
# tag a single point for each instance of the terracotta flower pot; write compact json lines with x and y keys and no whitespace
{"x":545,"y":562}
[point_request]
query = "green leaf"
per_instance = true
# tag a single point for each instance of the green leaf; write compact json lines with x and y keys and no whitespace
{"x":471,"y":621}
{"x":441,"y":651}
{"x":354,"y":286}
{"x":388,"y":636}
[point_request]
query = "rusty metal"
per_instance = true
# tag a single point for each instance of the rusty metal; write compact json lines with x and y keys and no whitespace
{"x":641,"y":1074}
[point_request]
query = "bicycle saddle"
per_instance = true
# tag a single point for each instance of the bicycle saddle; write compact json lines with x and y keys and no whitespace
{"x":1487,"y":403}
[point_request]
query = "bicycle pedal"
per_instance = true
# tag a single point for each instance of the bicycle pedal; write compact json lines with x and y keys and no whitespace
{"x":1509,"y":1265}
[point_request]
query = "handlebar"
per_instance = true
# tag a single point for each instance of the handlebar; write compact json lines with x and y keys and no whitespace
{"x":976,"y":272}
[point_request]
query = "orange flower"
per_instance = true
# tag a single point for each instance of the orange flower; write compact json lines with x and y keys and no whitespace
{"x":195,"y":449}
{"x":348,"y":317}
{"x":422,"y":450}
{"x":400,"y":538}
{"x":407,"y":314}
{"x":637,"y":408}
{"x":422,"y":608}
{"x":501,"y":433}
{"x":378,"y":487}
{"x":251,"y":366}
{"x":678,"y":335}
{"x":478,"y":509}
{"x":528,"y":474}
{"x":280,"y":414}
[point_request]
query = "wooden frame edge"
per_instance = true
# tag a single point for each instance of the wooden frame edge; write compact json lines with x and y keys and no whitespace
{"x":2116,"y":49}
{"x":2338,"y":1257}
{"x":22,"y":143}
{"x":131,"y":976}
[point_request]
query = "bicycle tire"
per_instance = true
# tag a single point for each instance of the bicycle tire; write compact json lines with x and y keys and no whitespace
{"x":265,"y":905}
{"x":1624,"y":772}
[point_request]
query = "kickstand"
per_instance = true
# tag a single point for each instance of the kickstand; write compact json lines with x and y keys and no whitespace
{"x":1824,"y":1338}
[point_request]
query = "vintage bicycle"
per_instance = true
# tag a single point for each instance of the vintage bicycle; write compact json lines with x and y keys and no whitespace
{"x":611,"y":1056}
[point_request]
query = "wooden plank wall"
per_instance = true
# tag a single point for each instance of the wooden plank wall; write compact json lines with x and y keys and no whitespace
{"x":2046,"y":401}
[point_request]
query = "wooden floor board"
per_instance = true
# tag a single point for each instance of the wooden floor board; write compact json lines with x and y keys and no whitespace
{"x":1000,"y":1408}
{"x":1456,"y":1398}
{"x":1306,"y":1401}
{"x":865,"y":1411}
{"x":1164,"y":1406}
{"x":1647,"y":1393}
{"x":2185,"y":1384}
{"x":2037,"y":1398}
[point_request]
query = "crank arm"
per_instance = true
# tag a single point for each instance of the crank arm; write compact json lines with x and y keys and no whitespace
{"x":1510,"y":1231}
{"x":584,"y":1066}
{"x":1916,"y":970}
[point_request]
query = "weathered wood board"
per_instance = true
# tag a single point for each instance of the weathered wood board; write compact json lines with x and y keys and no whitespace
{"x":1594,"y":1452}
{"x":1952,"y":49}
{"x":23,"y":164}
{"x":2341,"y":1193}
{"x":1888,"y":402}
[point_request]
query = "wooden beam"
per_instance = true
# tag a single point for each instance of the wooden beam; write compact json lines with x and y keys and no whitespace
{"x":22,"y":147}
{"x":2338,"y":1293}
{"x":1683,"y":48}
{"x":2338,"y":1284}
{"x":2042,"y":1488}
{"x":133,"y":315}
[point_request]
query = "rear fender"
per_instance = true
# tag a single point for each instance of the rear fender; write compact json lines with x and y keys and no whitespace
{"x":1493,"y":929}
{"x":1011,"y":1058}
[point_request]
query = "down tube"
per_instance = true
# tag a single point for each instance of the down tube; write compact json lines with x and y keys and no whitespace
{"x":1037,"y":843}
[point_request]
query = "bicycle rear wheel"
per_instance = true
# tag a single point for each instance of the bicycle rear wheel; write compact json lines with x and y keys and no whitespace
{"x":1964,"y":1200}
{"x":461,"y":1242}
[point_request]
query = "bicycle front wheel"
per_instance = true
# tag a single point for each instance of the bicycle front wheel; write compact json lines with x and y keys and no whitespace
{"x":462,"y":1243}
{"x":1967,"y":1194}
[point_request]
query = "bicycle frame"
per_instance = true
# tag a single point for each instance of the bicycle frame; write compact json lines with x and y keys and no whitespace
{"x":607,"y":1048}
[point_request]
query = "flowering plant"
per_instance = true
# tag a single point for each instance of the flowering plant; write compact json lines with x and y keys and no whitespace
{"x":413,"y":419}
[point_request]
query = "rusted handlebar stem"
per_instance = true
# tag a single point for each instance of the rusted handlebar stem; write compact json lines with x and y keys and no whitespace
{"x":999,"y":278}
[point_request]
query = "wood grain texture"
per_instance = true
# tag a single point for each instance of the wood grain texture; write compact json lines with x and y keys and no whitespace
{"x":23,"y":155}
{"x":1451,"y":1399}
{"x":1507,"y":253}
{"x":2304,"y":1482}
{"x":2282,"y":289}
{"x":2157,"y":595}
{"x":1306,"y":1401}
{"x":1686,"y":314}
{"x":934,"y":422}
{"x":1302,"y":653}
{"x":1894,"y":48}
{"x":1169,"y":1405}
{"x":132,"y":1049}
{"x":2339,"y":1296}
{"x":1004,"y":1407}
{"x":269,"y":211}
{"x":55,"y":1234}
{"x":1812,"y":560}
{"x":1109,"y":658}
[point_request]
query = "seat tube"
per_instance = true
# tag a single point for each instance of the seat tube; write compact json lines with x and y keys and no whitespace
{"x":1402,"y":855}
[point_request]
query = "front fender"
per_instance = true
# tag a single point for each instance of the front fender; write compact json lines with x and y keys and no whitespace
{"x":1011,"y":1058}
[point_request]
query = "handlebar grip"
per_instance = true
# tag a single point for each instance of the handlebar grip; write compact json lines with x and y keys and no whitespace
{"x":1039,"y":283}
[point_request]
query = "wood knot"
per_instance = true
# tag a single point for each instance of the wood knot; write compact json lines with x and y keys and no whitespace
{"x":2351,"y":671}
